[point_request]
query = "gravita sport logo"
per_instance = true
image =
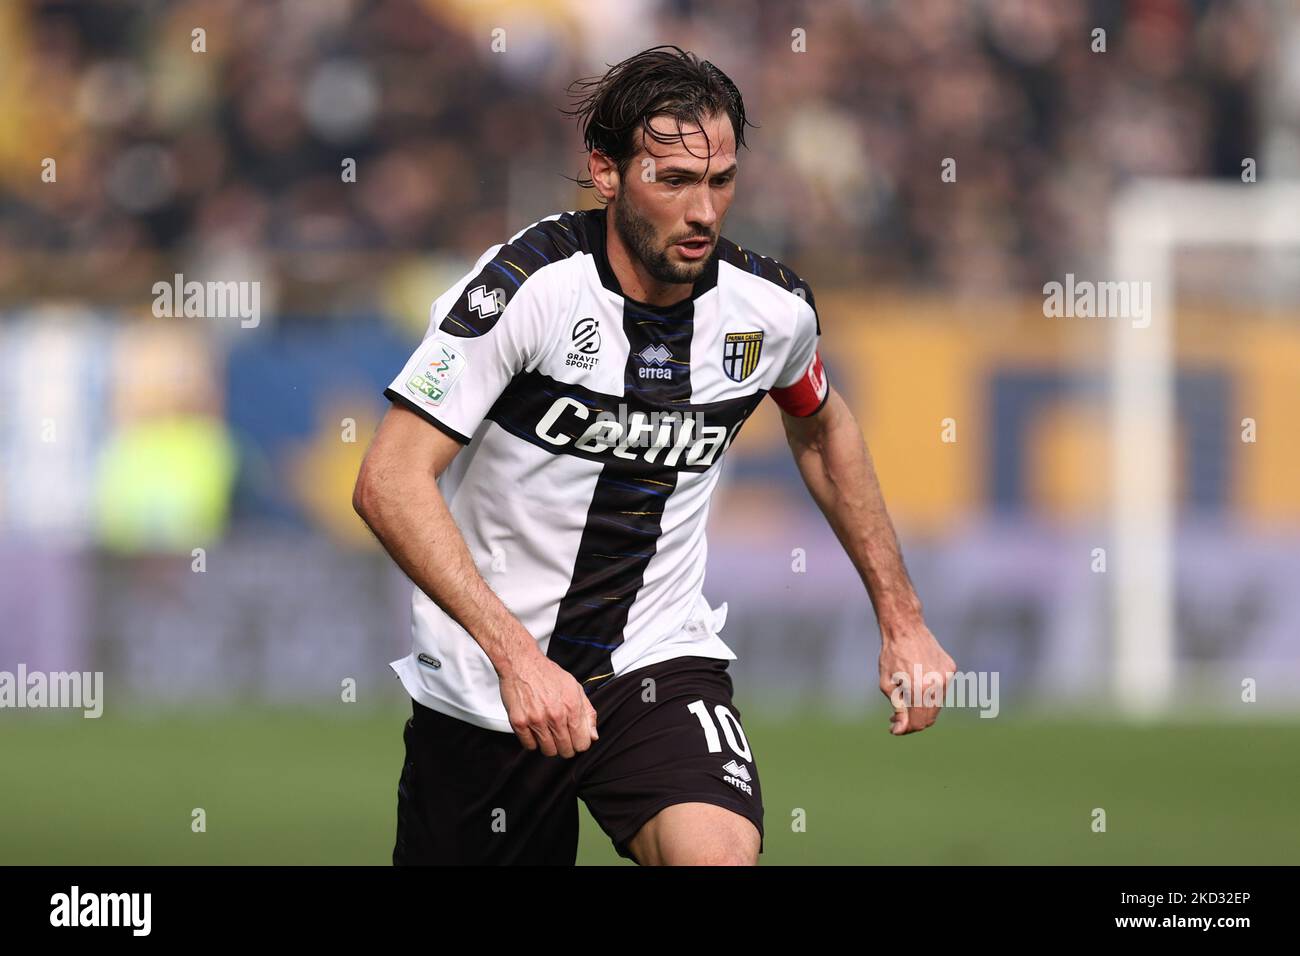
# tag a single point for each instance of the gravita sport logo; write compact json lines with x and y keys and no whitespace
{"x":671,"y":439}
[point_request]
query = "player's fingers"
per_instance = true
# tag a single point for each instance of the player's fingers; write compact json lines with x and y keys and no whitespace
{"x":898,"y":722}
{"x":896,"y":691}
{"x":897,"y":694}
{"x":580,"y":730}
{"x":559,"y":729}
{"x":920,"y":718}
{"x":525,"y":735}
{"x":940,"y":693}
{"x":589,"y":720}
{"x":577,"y":729}
{"x":544,"y":739}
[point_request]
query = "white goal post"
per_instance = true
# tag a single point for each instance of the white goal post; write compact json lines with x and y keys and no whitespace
{"x":1150,"y":221}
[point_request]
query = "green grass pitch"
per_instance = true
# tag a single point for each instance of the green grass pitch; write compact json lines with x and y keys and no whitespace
{"x":290,"y":787}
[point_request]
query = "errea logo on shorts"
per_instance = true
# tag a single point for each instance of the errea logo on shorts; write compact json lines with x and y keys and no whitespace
{"x":738,"y":775}
{"x":440,"y":366}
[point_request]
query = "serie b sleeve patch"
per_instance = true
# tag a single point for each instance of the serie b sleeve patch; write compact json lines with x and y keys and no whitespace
{"x":436,"y":373}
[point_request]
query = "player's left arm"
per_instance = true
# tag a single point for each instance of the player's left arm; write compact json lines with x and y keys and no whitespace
{"x":836,"y":466}
{"x":833,"y":459}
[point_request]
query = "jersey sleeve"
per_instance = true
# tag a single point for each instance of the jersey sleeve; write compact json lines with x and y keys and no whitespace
{"x":477,"y":341}
{"x":801,"y":389}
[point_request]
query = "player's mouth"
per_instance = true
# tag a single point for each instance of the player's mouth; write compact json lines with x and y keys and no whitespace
{"x":696,"y":248}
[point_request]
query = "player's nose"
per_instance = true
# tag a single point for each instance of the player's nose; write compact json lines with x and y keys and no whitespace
{"x":702,"y":214}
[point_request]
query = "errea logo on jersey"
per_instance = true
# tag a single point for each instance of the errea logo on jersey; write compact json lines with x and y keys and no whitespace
{"x":486,"y":303}
{"x":653,"y":359}
{"x":440,"y":366}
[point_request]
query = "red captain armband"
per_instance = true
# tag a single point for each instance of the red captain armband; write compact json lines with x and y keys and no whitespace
{"x":807,"y":395}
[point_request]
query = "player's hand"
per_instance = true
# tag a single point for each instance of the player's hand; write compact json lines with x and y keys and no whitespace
{"x":905,"y":652}
{"x":547,"y":707}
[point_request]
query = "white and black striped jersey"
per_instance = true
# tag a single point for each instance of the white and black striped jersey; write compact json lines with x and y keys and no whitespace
{"x":595,"y":427}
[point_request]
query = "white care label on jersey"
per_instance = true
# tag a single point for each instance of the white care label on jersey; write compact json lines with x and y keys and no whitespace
{"x":439,"y":367}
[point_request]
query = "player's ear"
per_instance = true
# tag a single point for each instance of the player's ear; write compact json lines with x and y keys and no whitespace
{"x":604,"y":174}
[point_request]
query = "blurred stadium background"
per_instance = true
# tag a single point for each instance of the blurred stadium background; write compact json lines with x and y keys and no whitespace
{"x":128,"y":440}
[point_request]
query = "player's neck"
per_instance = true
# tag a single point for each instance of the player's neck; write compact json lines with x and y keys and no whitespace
{"x":633,"y":278}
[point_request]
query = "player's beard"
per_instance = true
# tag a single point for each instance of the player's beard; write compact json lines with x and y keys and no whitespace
{"x":639,"y":236}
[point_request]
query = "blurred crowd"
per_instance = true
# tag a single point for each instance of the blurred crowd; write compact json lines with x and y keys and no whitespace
{"x":353,"y":156}
{"x":450,"y":109}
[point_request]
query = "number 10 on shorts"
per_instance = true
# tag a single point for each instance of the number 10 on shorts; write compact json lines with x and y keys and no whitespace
{"x":730,"y":727}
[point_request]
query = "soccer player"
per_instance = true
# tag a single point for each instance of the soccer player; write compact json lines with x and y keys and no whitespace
{"x":543,"y":475}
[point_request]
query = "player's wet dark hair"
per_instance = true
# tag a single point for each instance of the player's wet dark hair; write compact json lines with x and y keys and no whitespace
{"x":661,"y":81}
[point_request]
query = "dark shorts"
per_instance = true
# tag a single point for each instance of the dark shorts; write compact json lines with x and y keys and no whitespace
{"x":469,"y":795}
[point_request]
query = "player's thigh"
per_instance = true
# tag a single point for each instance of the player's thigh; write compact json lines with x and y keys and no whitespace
{"x":468,"y":795}
{"x":696,"y":834}
{"x":670,"y":735}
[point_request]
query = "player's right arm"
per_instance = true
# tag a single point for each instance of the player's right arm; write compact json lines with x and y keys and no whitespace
{"x":476,"y":342}
{"x":397,"y":497}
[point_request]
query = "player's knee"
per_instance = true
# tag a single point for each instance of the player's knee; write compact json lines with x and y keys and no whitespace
{"x":731,"y":853}
{"x":730,"y":856}
{"x":731,"y":843}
